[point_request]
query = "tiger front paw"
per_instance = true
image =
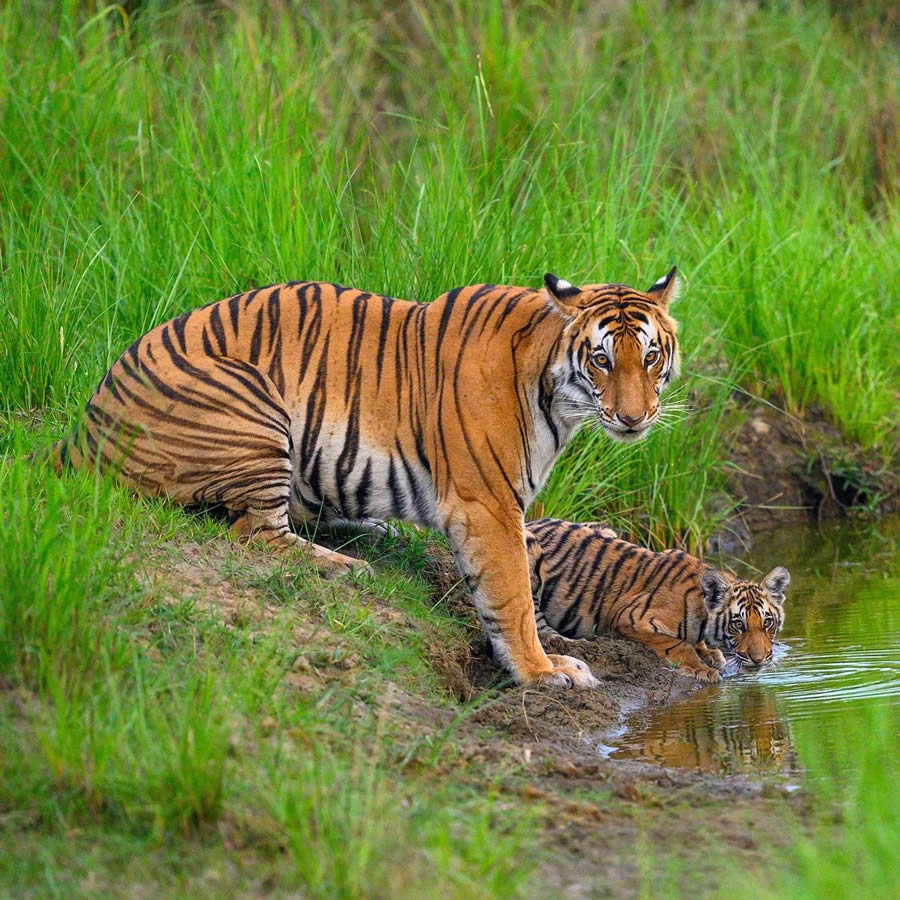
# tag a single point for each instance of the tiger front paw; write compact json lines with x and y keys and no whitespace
{"x":712,"y":657}
{"x":568,"y":672}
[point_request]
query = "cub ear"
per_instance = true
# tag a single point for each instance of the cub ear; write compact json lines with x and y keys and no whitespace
{"x":562,"y":294}
{"x":714,"y":588}
{"x":776,"y":583}
{"x":665,"y":290}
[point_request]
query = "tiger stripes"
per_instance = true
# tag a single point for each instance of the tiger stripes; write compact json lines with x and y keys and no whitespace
{"x":309,"y":403}
{"x":585,"y":581}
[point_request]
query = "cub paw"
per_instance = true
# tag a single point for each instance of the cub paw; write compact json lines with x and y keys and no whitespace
{"x":712,"y":657}
{"x":707,"y":674}
{"x":568,"y":672}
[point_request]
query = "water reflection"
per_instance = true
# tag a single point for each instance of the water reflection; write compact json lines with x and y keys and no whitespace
{"x":841,"y":657}
{"x":727,"y":730}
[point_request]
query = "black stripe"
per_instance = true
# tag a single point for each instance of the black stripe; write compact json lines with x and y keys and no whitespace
{"x":273,"y":308}
{"x":347,"y":458}
{"x":449,"y":301}
{"x":363,"y":490}
{"x":386,"y":308}
{"x":178,"y":326}
{"x":256,"y":340}
{"x":215,"y":322}
{"x":398,"y":506}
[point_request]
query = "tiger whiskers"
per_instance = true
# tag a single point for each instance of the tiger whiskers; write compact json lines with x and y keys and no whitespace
{"x":574,"y":409}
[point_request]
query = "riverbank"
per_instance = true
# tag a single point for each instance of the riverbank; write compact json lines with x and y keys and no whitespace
{"x":786,"y":470}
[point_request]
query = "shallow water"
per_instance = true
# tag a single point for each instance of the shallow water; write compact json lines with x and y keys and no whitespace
{"x":838,"y":661}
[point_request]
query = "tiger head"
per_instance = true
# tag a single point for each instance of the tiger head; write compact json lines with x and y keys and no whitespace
{"x":619,"y":352}
{"x":745,"y":616}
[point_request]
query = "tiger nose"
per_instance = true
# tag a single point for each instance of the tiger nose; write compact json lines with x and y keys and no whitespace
{"x":758,"y":656}
{"x":630,"y":421}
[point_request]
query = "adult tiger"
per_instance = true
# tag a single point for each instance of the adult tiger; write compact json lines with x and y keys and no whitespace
{"x":586,"y":581}
{"x":310,"y":402}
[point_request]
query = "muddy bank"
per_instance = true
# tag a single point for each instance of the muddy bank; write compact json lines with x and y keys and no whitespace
{"x":785,"y":471}
{"x":553,"y":734}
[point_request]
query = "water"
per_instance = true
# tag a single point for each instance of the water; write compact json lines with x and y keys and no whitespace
{"x":837,"y":665}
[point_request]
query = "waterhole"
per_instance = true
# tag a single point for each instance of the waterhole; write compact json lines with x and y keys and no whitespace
{"x":836,"y":665}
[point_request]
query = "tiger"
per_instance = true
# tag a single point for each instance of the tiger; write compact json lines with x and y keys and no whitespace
{"x":587,"y":581}
{"x":308,"y":404}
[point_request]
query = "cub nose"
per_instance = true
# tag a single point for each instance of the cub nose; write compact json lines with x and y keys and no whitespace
{"x":630,"y":421}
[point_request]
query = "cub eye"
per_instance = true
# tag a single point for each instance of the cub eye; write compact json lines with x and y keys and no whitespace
{"x":651,"y":357}
{"x":738,"y":626}
{"x":769,"y":622}
{"x":601,"y":360}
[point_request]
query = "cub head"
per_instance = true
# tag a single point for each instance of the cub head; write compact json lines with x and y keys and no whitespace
{"x":745,"y":616}
{"x":620,"y":352}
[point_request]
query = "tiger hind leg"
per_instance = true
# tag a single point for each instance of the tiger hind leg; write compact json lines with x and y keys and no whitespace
{"x":209,"y":431}
{"x":277,"y":535}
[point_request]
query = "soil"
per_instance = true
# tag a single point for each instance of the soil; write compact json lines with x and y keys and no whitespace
{"x":788,"y":471}
{"x":538,"y":749}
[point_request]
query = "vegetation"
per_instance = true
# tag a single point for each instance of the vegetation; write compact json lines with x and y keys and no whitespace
{"x":137,"y":717}
{"x":155,"y":157}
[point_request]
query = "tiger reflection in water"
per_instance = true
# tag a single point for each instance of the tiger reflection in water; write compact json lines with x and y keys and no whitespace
{"x":738,"y":732}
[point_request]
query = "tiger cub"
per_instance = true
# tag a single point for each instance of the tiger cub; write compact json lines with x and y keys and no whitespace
{"x":314,"y":404}
{"x":586,"y":581}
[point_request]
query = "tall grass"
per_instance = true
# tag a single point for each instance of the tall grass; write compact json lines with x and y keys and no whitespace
{"x":159,"y":159}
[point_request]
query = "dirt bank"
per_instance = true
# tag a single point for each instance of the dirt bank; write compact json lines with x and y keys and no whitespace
{"x":789,"y":471}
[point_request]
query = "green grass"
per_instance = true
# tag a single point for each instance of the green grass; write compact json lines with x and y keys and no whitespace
{"x":157,"y":159}
{"x":134,"y":717}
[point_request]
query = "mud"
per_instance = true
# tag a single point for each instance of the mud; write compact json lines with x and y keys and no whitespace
{"x":790,"y":471}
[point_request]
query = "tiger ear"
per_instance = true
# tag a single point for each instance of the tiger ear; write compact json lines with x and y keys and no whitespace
{"x":776,"y":583}
{"x":562,"y":294}
{"x":714,"y":588}
{"x":665,"y":290}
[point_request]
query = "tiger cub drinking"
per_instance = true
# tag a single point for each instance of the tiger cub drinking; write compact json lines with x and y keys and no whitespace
{"x":586,"y":581}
